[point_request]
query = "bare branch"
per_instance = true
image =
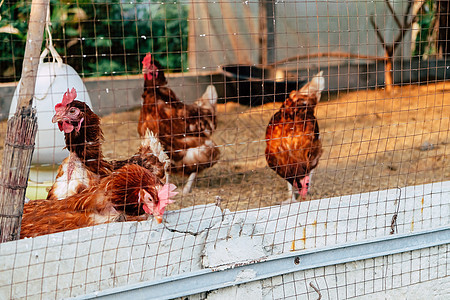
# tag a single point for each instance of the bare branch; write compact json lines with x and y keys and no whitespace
{"x":377,"y":31}
{"x":408,"y":9}
{"x":407,"y":26}
{"x":391,"y":9}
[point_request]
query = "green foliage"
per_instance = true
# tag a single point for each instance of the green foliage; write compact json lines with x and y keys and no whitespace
{"x":426,"y":20}
{"x":99,"y":37}
{"x":12,"y":45}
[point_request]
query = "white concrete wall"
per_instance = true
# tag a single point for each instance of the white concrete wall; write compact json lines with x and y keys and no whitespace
{"x":82,"y":261}
{"x":421,"y":274}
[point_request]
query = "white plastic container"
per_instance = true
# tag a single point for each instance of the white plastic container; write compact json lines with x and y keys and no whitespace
{"x":53,"y":80}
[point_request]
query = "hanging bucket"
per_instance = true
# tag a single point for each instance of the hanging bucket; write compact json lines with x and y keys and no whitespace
{"x":53,"y":80}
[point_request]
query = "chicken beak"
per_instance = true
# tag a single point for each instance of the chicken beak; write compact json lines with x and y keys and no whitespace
{"x":59,"y":117}
{"x":158,"y":219}
{"x":55,"y":118}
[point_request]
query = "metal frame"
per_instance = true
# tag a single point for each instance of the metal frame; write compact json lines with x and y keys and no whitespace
{"x":211,"y":279}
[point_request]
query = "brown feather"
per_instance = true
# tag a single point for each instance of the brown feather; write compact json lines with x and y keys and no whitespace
{"x":87,"y":142}
{"x":45,"y":216}
{"x":144,"y":157}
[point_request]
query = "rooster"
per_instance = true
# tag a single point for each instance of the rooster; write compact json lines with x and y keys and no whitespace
{"x":292,"y":136}
{"x":131,"y":193}
{"x":85,"y":165}
{"x":184,"y":130}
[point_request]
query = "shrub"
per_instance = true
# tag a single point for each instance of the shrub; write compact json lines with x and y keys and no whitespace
{"x":99,"y":37}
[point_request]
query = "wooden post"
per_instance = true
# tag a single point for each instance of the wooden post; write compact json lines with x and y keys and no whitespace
{"x":270,"y":16}
{"x":267,"y":31}
{"x":21,"y":132}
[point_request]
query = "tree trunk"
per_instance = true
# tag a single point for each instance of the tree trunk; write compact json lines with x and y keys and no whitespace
{"x":444,"y":30}
{"x":388,"y":81}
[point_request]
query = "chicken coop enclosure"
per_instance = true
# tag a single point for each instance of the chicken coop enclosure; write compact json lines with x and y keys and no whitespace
{"x":308,"y":141}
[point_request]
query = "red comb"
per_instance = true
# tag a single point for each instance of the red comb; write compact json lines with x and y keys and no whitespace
{"x":68,"y":97}
{"x":146,"y":62}
{"x":164,"y":195}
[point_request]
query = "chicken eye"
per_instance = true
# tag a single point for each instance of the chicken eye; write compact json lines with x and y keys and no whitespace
{"x":72,"y":110}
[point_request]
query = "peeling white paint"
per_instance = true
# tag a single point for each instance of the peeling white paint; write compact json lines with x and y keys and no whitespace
{"x":247,"y":274}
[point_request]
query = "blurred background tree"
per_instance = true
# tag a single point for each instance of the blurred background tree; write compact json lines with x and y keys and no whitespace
{"x":426,"y":30}
{"x":98,"y":37}
{"x":443,"y":7}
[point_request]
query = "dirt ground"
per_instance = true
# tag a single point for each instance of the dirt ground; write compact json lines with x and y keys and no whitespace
{"x":372,"y":140}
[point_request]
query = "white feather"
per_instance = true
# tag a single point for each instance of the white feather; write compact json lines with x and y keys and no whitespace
{"x":68,"y":184}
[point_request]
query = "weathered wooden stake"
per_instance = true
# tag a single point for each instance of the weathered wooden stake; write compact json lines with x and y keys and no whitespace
{"x":267,"y":31}
{"x":21,"y":132}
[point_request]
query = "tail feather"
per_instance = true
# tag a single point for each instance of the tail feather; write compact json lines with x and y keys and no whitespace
{"x":210,"y":94}
{"x":151,"y":141}
{"x":209,"y":98}
{"x":315,"y":86}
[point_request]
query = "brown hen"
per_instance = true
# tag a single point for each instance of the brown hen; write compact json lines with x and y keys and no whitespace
{"x":85,"y":165}
{"x":184,"y":130}
{"x":292,"y":136}
{"x":131,"y":193}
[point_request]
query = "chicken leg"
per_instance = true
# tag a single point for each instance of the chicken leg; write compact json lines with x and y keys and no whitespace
{"x":292,"y":198}
{"x":189,"y":182}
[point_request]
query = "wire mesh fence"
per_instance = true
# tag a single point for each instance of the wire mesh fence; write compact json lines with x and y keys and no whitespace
{"x":288,"y":128}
